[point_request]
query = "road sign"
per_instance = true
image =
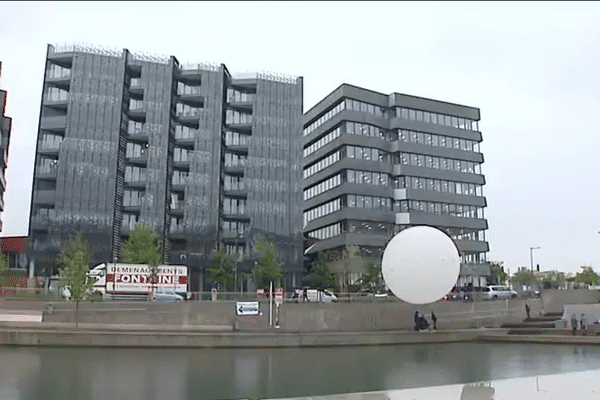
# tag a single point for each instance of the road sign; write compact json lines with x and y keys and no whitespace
{"x":247,"y":308}
{"x":278,"y":295}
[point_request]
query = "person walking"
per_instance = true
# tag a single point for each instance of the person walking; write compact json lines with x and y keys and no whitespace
{"x":528,"y":311}
{"x":416,"y":320}
{"x":434,"y":319}
{"x":574,"y":324}
{"x":583,"y":324}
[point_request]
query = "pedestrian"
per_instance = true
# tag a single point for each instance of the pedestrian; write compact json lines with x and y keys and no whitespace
{"x":305,"y":295}
{"x":416,"y":320}
{"x":583,"y":324}
{"x":574,"y":324}
{"x":527,"y":310}
{"x":434,"y":319}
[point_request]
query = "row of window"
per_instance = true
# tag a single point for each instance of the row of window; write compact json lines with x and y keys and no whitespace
{"x":236,"y":139}
{"x":49,"y":142}
{"x":326,"y":232}
{"x":133,"y":197}
{"x":335,"y":133}
{"x":179,"y":177}
{"x":369,"y":202}
{"x":56,"y":71}
{"x":432,"y":139}
{"x":365,"y":153}
{"x":136,"y":104}
{"x":421,"y":160}
{"x":233,"y":160}
{"x":322,"y":187}
{"x":234,"y":229}
{"x":236,"y":117}
{"x":235,"y":96}
{"x":322,"y":164}
{"x":185,"y":132}
{"x":322,"y":210}
{"x":234,"y":206}
{"x":324,"y":118}
{"x":134,"y":127}
{"x":437,"y":185}
{"x":134,"y":174}
{"x":435,"y":118}
{"x":183,"y":89}
{"x":233,"y":183}
{"x":135,"y":150}
{"x":367,"y":177}
{"x":129,"y":221}
{"x":57,"y":94}
{"x":177,"y":200}
{"x":181,"y":154}
{"x":356,"y":128}
{"x":355,"y":105}
{"x":47,"y":165}
{"x":177,"y":225}
{"x":431,"y":207}
{"x":184,"y":110}
{"x":378,"y":228}
{"x":135,"y":83}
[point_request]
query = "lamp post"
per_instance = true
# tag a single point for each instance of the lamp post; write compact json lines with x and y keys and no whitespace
{"x":531,"y":249}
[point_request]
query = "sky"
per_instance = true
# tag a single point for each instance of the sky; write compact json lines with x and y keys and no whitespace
{"x":531,"y":68}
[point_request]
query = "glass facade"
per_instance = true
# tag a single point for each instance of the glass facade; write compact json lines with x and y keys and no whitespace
{"x":126,"y":139}
{"x":445,"y":190}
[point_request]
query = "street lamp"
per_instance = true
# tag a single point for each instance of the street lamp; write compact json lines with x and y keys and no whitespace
{"x":531,"y":249}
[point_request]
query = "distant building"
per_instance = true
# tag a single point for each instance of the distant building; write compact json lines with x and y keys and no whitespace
{"x":5,"y":126}
{"x":15,"y":249}
{"x":376,"y":164}
{"x":201,"y":155}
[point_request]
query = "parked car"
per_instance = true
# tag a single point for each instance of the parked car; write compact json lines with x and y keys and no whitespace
{"x":169,"y":297}
{"x":324,"y":296}
{"x":495,"y":292}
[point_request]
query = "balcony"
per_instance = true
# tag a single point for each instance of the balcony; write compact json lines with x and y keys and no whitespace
{"x":137,"y":114}
{"x":46,"y":173}
{"x":49,"y":146}
{"x":56,"y":123}
{"x":185,"y":139}
{"x":238,"y":194}
{"x":139,"y":160}
{"x":238,"y":149}
{"x":189,"y":116}
{"x":241,"y":127}
{"x":44,"y":197}
{"x":62,"y":81}
{"x":234,"y":170}
{"x":133,"y":208}
{"x":236,"y":217}
{"x":135,"y":88}
{"x":136,"y":184}
{"x":181,"y":164}
{"x":138,"y":136}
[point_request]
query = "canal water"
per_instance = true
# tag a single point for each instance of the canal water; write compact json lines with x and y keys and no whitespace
{"x":101,"y":373}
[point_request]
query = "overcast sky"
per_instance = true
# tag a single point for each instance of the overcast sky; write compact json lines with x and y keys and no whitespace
{"x":532,"y":69}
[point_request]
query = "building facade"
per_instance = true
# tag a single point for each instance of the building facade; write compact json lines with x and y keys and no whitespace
{"x":375,"y":164}
{"x":5,"y":126}
{"x":199,"y":154}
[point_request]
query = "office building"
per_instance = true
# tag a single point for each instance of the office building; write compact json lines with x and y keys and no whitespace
{"x":201,"y":155}
{"x":375,"y":164}
{"x":5,"y":126}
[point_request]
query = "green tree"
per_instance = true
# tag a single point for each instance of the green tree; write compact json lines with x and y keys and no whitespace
{"x":221,"y":268}
{"x":350,"y":260}
{"x":267,"y":267}
{"x":372,"y":279}
{"x":553,"y":280}
{"x":587,"y":276}
{"x":320,"y":276}
{"x":4,"y":270}
{"x":143,"y":247}
{"x":73,"y":274}
{"x":497,"y":274}
{"x":524,"y":275}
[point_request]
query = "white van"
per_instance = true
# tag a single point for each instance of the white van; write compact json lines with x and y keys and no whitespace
{"x":495,"y":292}
{"x":323,"y":296}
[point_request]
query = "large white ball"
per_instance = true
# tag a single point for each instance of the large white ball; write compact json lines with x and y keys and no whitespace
{"x":420,"y":264}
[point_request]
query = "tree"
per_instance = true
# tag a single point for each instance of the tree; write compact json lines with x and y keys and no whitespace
{"x":350,"y":259}
{"x":143,"y":247}
{"x":221,"y":268}
{"x":553,"y":280}
{"x":372,"y":279}
{"x":320,"y":276}
{"x":523,"y":275}
{"x":3,"y":268}
{"x":497,"y":274}
{"x":587,"y":276}
{"x":73,"y":274}
{"x":267,"y":267}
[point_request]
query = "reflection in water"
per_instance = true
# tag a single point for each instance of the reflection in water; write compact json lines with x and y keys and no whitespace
{"x":477,"y":391}
{"x":55,"y":373}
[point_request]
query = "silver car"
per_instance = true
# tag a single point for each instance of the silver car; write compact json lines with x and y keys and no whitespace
{"x":495,"y":292}
{"x":169,"y":297}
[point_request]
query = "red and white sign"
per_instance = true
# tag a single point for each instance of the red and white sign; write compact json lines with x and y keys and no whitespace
{"x":136,"y":278}
{"x":279,"y":295}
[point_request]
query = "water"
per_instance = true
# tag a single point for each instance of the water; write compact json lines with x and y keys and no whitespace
{"x":66,"y":373}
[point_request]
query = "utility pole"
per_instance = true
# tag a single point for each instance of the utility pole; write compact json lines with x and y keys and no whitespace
{"x":531,"y":249}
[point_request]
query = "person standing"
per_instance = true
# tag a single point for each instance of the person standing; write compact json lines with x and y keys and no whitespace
{"x":434,"y":319}
{"x":574,"y":324}
{"x":583,"y":324}
{"x":527,"y":310}
{"x":416,"y":320}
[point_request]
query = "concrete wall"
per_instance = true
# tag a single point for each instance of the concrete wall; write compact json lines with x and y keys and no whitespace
{"x":553,"y":300}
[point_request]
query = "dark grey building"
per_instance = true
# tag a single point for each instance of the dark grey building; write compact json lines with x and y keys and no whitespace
{"x":5,"y":126}
{"x":375,"y":164}
{"x":199,"y":154}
